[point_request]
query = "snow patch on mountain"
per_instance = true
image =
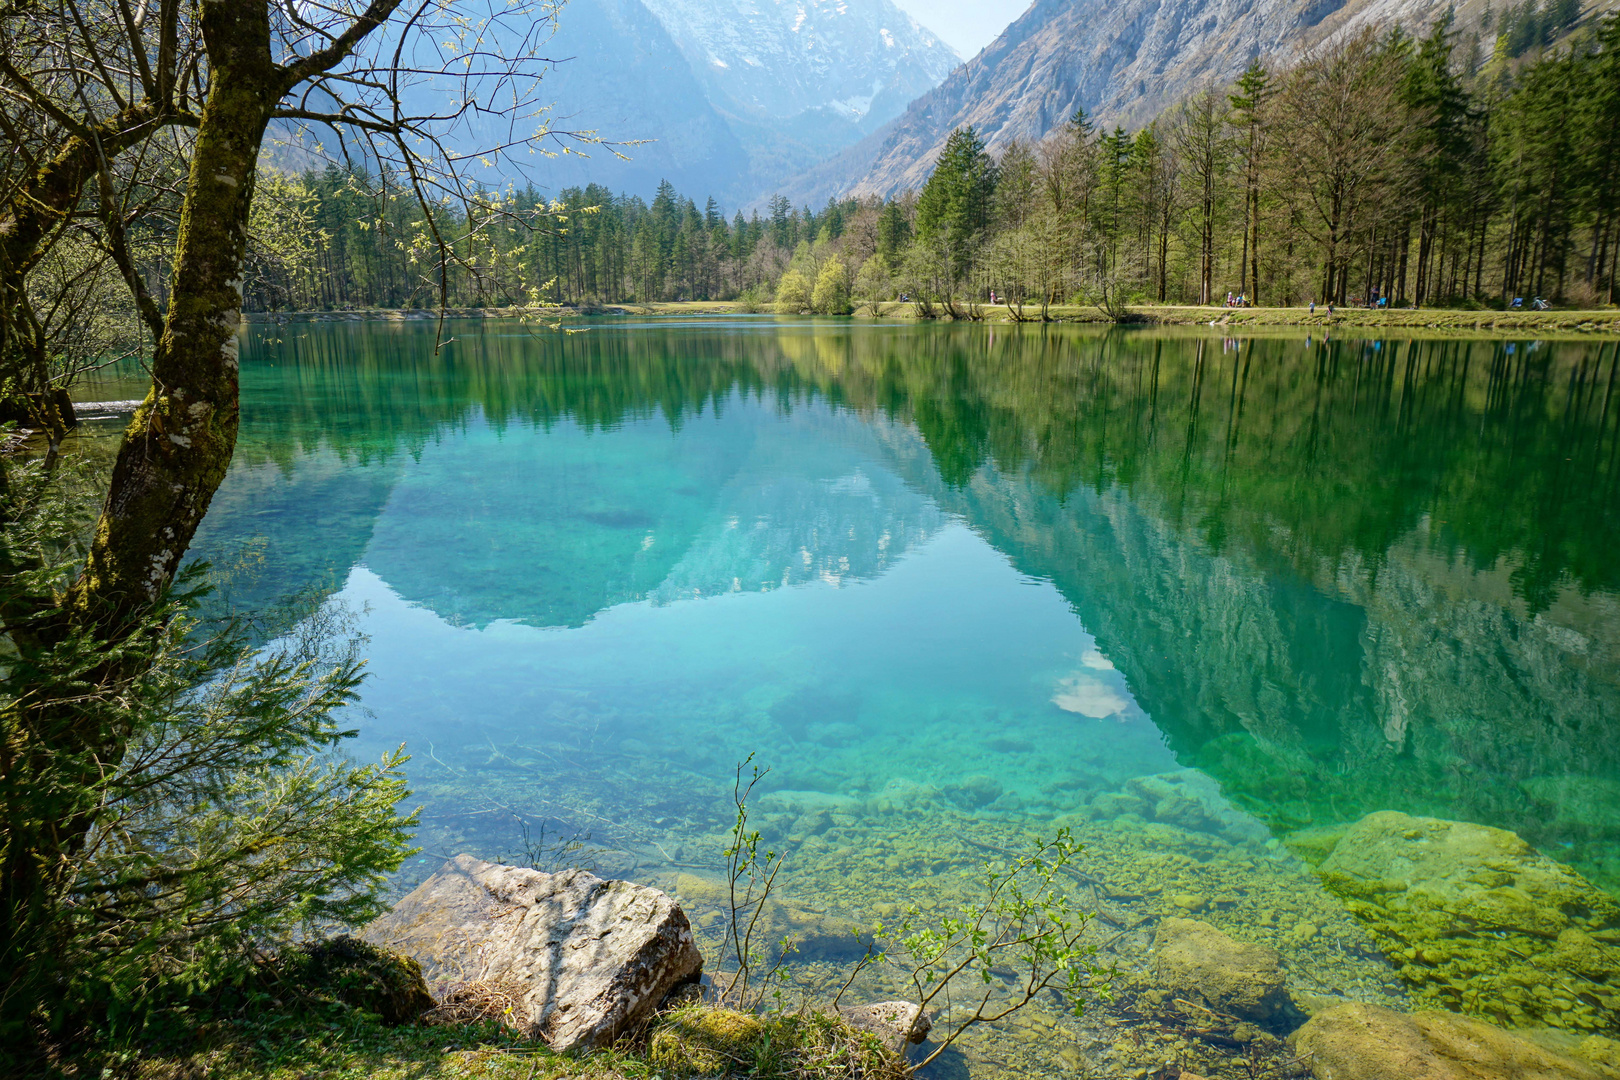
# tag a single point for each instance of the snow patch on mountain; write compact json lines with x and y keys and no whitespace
{"x":773,"y":60}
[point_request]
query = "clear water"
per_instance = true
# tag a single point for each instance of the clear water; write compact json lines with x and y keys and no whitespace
{"x":954,"y":578}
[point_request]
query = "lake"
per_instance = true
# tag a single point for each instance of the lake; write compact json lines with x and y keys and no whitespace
{"x":1205,"y":601}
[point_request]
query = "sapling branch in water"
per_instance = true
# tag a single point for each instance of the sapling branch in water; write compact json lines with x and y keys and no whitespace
{"x":750,"y":879}
{"x":1025,"y":922}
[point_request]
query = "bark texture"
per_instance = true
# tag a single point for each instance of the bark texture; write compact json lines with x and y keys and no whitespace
{"x":179,"y":442}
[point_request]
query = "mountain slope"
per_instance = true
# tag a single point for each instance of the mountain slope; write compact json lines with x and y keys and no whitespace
{"x":620,"y":73}
{"x":775,"y":59}
{"x":1122,"y":62}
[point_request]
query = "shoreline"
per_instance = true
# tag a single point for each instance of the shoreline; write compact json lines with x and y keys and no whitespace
{"x":1577,"y":323}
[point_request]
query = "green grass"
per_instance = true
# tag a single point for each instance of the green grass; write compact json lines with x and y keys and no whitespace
{"x":1605,"y":321}
{"x":344,"y":1044}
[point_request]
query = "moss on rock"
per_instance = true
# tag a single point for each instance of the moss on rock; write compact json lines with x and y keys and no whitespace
{"x":1478,"y":922}
{"x":700,"y":1040}
{"x":360,"y":975}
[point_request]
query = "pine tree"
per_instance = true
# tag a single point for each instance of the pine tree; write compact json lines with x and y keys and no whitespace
{"x":1248,"y":102}
{"x":954,"y":207}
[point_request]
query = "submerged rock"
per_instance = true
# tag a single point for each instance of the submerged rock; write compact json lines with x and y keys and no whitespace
{"x":1186,"y":799}
{"x":1195,"y":961}
{"x":588,"y":958}
{"x":895,"y":1023}
{"x":1479,"y":922}
{"x":1367,"y":1042}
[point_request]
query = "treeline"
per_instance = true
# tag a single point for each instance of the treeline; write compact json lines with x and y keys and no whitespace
{"x":1380,"y":169}
{"x":341,"y":239}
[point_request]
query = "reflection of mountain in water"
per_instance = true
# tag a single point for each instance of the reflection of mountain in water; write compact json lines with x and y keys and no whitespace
{"x":799,"y":517}
{"x":550,"y":528}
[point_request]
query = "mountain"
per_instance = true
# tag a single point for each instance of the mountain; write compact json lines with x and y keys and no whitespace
{"x":800,"y":79}
{"x":1123,"y":62}
{"x":618,"y":72}
{"x":720,"y":97}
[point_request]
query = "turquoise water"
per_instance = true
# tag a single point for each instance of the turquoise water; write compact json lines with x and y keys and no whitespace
{"x":947,"y":578}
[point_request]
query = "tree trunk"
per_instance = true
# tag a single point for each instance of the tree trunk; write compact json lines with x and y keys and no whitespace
{"x":180,"y":441}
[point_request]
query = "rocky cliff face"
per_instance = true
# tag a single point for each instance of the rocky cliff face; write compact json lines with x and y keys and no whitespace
{"x":1121,"y":62}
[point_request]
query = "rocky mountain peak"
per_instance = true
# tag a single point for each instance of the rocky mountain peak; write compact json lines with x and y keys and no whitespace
{"x":772,"y":60}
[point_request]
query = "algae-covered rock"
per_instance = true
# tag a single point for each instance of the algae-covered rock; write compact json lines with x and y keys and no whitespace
{"x":697,"y":1040}
{"x":1367,"y":1042}
{"x":360,"y":974}
{"x":1314,"y":845}
{"x":1480,"y":922}
{"x":1194,"y":960}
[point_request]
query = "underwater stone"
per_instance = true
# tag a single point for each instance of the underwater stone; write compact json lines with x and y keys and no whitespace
{"x":1590,"y":803}
{"x":593,"y":958}
{"x":895,"y":1023}
{"x":1367,"y":1042}
{"x":1194,"y":960}
{"x":973,"y":792}
{"x":1478,"y":921}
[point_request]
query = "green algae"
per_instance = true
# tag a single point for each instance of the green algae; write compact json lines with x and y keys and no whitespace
{"x":1478,"y":922}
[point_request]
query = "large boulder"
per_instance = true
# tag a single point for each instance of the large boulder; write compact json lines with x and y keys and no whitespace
{"x":1195,"y":961}
{"x":1368,"y":1042}
{"x":1479,"y":922}
{"x":587,"y":959}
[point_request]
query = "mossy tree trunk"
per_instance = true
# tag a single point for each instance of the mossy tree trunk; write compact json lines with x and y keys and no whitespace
{"x":179,"y":443}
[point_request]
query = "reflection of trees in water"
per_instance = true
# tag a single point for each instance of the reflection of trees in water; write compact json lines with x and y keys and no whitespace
{"x":1345,"y":446}
{"x":1340,"y":575}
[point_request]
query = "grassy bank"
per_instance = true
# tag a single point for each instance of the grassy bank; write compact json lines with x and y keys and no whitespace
{"x":1496,"y":322}
{"x":690,"y":1041}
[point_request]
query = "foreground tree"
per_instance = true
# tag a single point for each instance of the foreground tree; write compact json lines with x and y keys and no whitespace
{"x":81,"y":652}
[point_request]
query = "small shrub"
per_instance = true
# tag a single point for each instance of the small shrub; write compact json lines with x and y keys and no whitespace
{"x":832,"y":290}
{"x":793,"y":294}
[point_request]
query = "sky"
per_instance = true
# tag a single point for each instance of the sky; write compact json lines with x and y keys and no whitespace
{"x":965,"y":25}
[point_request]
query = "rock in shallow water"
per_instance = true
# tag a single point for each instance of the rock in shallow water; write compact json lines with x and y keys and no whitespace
{"x":1194,"y":960}
{"x":590,"y":958}
{"x":1480,"y":922}
{"x":1367,"y":1042}
{"x":895,"y":1023}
